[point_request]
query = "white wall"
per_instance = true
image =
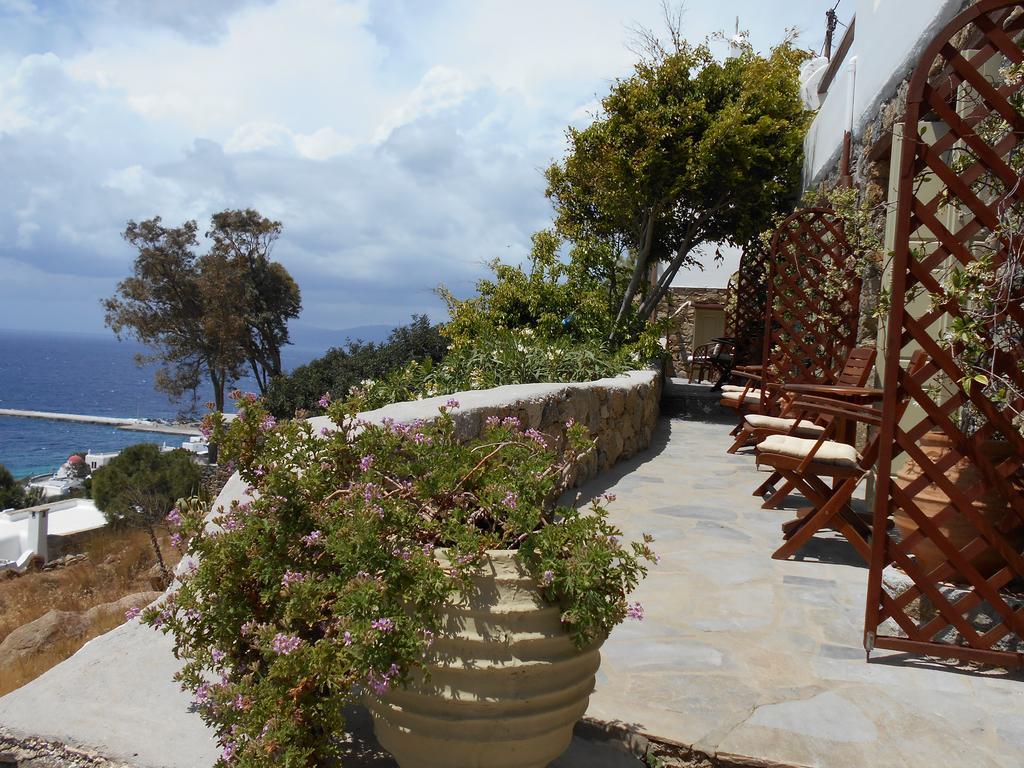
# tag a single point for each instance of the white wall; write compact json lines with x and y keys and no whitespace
{"x":889,"y":37}
{"x":715,"y":274}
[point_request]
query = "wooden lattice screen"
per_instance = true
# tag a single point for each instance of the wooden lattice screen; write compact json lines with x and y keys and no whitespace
{"x":958,"y":502}
{"x":747,"y":305}
{"x":814,"y":299}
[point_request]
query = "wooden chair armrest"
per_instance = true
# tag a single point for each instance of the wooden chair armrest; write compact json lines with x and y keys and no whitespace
{"x":756,"y":376}
{"x":812,"y":404}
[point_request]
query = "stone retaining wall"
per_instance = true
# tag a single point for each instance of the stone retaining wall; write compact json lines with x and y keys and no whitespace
{"x":620,"y":412}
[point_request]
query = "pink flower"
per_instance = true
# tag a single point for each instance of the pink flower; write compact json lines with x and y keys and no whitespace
{"x":250,"y":627}
{"x":217,"y":655}
{"x":325,"y":400}
{"x":511,"y":500}
{"x":347,"y":637}
{"x":131,"y":613}
{"x":492,"y":421}
{"x":326,"y":431}
{"x":547,"y":578}
{"x":381,"y":683}
{"x":292,"y":577}
{"x":268,"y":423}
{"x":452,"y":403}
{"x":249,"y":397}
{"x":538,"y":437}
{"x":175,"y":539}
{"x":312,"y":538}
{"x":174,"y":517}
{"x":635,"y":611}
{"x":366,"y":462}
{"x":284,"y":644}
{"x":609,"y":497}
{"x":383,"y":624}
{"x":202,"y":694}
{"x":511,"y":422}
{"x":228,"y":753}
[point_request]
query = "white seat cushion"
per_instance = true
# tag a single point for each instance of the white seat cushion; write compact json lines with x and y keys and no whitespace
{"x":753,"y":396}
{"x":804,"y":429}
{"x":732,"y":387}
{"x":830,"y":452}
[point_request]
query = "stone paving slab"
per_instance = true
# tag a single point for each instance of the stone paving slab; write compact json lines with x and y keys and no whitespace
{"x":739,"y":655}
{"x":743,"y":655}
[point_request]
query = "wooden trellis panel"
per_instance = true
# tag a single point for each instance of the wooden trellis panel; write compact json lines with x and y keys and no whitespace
{"x":747,"y":305}
{"x":960,"y":211}
{"x":814,"y":299}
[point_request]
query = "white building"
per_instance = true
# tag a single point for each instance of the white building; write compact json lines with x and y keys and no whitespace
{"x":873,"y":55}
{"x":97,"y":460}
{"x":23,"y":532}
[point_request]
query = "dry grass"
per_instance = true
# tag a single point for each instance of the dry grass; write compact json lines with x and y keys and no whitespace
{"x":118,"y":564}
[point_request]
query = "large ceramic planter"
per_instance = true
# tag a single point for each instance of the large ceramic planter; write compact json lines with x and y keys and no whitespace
{"x":932,"y":500}
{"x":505,"y":683}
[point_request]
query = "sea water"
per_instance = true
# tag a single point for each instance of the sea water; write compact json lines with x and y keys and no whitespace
{"x":89,"y":374}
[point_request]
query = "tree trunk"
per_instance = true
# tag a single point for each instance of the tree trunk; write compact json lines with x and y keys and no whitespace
{"x":259,"y":374}
{"x":639,"y":269}
{"x":218,"y":405}
{"x":661,"y":287}
{"x":659,"y":290}
{"x":159,"y":555}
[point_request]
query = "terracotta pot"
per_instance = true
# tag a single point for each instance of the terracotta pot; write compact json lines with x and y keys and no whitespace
{"x":505,"y":687}
{"x":932,"y":500}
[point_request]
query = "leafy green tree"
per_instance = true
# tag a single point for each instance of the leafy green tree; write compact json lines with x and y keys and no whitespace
{"x":270,"y":296}
{"x":572,"y":296}
{"x":140,"y":486}
{"x":342,"y":368}
{"x":686,"y":151}
{"x":12,"y":493}
{"x":209,"y":315}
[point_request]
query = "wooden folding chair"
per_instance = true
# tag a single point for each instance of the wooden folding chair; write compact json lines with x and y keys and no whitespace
{"x":756,"y":427}
{"x":806,"y":463}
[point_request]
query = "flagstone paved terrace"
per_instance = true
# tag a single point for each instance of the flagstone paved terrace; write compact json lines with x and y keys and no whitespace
{"x":739,"y":656}
{"x":743,"y":655}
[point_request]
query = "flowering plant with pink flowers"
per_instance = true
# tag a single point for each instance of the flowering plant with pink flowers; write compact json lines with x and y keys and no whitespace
{"x":324,"y":582}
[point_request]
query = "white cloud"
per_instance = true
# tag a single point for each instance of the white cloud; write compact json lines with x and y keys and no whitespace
{"x":399,"y":142}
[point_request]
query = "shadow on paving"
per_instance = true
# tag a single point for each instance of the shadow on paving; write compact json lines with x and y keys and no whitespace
{"x":590,"y":748}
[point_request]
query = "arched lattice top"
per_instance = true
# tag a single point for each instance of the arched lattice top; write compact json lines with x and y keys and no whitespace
{"x":747,"y":305}
{"x":814,"y":299}
{"x":958,"y":293}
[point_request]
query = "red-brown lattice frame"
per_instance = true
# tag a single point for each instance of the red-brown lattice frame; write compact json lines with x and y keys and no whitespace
{"x":748,"y":303}
{"x":813,"y":300}
{"x":953,"y":65}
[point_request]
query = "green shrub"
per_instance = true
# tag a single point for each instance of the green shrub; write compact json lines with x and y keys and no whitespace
{"x":572,"y":297}
{"x":326,"y":582}
{"x":505,"y":357}
{"x":342,"y":368}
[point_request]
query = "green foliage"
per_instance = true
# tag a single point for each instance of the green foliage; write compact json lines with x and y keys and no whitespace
{"x":141,"y":484}
{"x":328,"y":580}
{"x":688,"y":150}
{"x":574,"y":297}
{"x":12,"y":493}
{"x":206,"y":315}
{"x":341,"y":369}
{"x":503,"y":357}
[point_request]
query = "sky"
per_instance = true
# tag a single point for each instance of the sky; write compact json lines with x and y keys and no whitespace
{"x":401,"y":143}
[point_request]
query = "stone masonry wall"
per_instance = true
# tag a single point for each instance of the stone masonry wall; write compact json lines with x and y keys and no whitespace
{"x":680,"y":333}
{"x":620,"y":412}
